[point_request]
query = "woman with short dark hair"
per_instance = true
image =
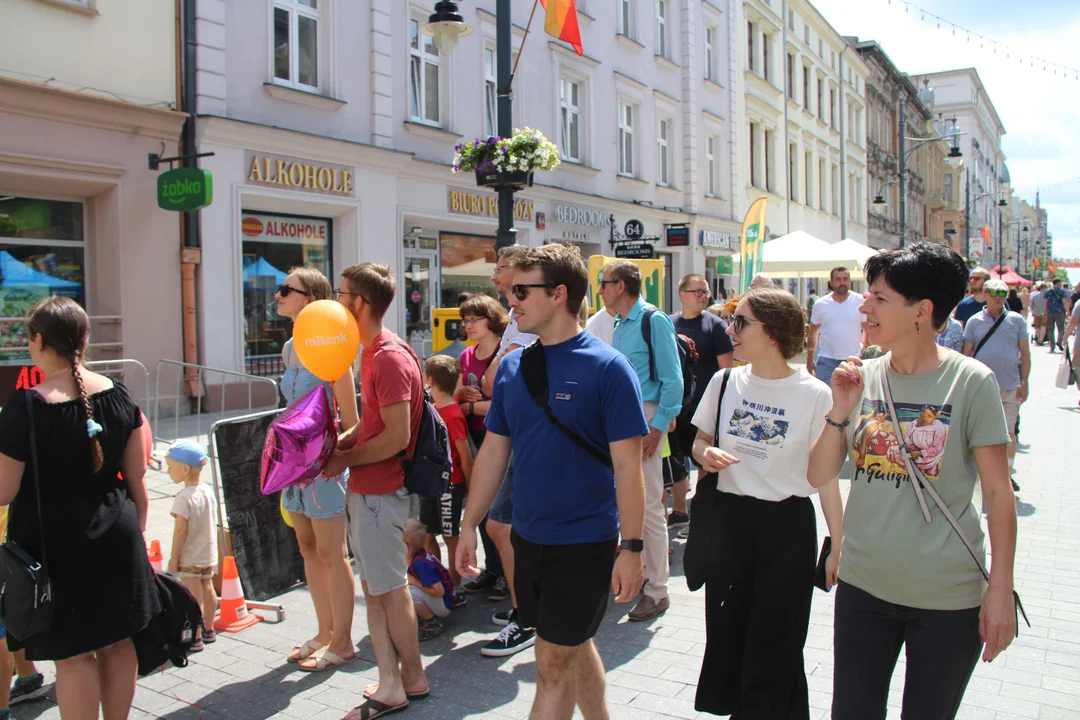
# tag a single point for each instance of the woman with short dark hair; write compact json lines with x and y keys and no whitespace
{"x":918,"y":412}
{"x":755,"y":426}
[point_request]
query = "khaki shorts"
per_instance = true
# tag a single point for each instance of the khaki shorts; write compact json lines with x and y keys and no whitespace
{"x":1012,"y":410}
{"x":1040,"y":321}
{"x":376,"y":524}
{"x":196,"y":572}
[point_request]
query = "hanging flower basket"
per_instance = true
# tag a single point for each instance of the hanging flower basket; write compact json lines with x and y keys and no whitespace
{"x":506,"y":163}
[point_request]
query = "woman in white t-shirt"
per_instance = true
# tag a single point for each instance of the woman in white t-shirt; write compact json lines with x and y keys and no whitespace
{"x":758,"y":594}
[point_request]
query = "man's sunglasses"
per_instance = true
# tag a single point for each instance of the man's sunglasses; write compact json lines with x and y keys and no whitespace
{"x":998,"y":293}
{"x":339,"y":292}
{"x":738,"y":323}
{"x":284,"y":290}
{"x":522,"y":291}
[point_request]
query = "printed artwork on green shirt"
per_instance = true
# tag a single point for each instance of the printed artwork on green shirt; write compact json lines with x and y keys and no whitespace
{"x":876,"y":446}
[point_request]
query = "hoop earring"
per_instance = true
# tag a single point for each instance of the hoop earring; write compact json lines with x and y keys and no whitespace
{"x":917,"y":332}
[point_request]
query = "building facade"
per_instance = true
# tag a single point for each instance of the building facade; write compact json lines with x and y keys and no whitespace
{"x":960,"y":96}
{"x":802,"y":112}
{"x":331,"y":150}
{"x":78,"y":202}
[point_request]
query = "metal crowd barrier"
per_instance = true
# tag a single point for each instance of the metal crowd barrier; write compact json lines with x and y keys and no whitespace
{"x":118,"y":366}
{"x":201,"y":371}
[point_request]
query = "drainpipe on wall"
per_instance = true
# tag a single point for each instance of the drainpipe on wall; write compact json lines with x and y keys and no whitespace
{"x":788,"y":80}
{"x":843,"y":151}
{"x":190,"y":251}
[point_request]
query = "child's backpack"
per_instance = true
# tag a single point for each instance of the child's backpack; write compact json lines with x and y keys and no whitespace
{"x":171,"y":633}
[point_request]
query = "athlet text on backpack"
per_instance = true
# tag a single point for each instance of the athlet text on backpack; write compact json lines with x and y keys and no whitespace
{"x":688,"y":356}
{"x":427,"y":472}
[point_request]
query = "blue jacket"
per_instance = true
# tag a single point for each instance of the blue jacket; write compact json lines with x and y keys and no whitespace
{"x":667,"y":389}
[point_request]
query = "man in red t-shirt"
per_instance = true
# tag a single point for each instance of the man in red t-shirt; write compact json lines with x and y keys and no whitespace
{"x":443,"y":516}
{"x":391,"y":404}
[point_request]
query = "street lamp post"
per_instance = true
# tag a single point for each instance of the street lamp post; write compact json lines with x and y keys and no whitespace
{"x":1002,"y":227}
{"x":447,"y":25}
{"x":954,"y":159}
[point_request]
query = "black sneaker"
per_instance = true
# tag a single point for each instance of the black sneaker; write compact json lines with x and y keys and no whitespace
{"x":1016,"y":488}
{"x":28,"y":688}
{"x":459,"y":598}
{"x":481,"y":583}
{"x":512,"y":639}
{"x":503,"y":618}
{"x":677,"y":519}
{"x":432,"y":628}
{"x":499,"y":591}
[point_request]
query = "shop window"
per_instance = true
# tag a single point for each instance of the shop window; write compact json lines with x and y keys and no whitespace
{"x":296,"y":43}
{"x":272,"y":245}
{"x":424,"y":68}
{"x":42,"y":253}
{"x":467,"y":263}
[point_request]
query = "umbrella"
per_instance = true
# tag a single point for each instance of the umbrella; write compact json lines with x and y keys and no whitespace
{"x":261,"y":268}
{"x":16,"y":273}
{"x":1007,"y":275}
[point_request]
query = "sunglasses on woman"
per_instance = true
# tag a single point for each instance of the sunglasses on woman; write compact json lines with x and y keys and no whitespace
{"x":522,"y":291}
{"x":998,"y":293}
{"x":284,"y":290}
{"x":738,"y":322}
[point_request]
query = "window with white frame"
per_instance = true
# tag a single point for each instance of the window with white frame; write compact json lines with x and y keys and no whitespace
{"x":663,"y":152}
{"x":626,"y":17}
{"x":791,"y":19}
{"x":296,"y":43}
{"x":750,"y":33}
{"x":570,"y":111}
{"x":424,"y":71}
{"x":626,"y":138}
{"x":821,"y":184}
{"x":834,"y":189}
{"x":491,"y":113}
{"x":662,"y":27}
{"x":710,"y":53}
{"x":712,"y":145}
{"x":806,"y":34}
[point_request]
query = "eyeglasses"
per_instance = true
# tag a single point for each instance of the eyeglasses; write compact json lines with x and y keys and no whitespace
{"x":998,"y":293}
{"x":500,"y":268}
{"x":738,"y":323}
{"x":609,"y":282}
{"x":284,"y":290}
{"x":472,"y":320}
{"x":522,"y":291}
{"x":339,"y":292}
{"x":700,"y":292}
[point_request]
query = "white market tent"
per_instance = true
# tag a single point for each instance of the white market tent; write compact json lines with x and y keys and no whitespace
{"x":796,"y":255}
{"x":852,"y":254}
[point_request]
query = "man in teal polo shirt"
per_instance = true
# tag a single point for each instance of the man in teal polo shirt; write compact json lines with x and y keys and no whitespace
{"x":661,"y":392}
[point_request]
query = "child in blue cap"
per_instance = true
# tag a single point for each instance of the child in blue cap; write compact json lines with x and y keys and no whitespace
{"x":194,"y":547}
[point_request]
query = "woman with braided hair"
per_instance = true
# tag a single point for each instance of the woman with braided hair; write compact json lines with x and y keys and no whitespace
{"x":86,"y":429}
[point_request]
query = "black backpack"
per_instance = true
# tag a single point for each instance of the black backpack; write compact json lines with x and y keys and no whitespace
{"x":688,"y":356}
{"x":427,"y":472}
{"x":170,"y":634}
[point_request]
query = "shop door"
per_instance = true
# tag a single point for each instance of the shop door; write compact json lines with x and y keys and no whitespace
{"x":421,"y":293}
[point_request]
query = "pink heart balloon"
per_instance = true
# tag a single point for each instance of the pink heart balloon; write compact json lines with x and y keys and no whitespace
{"x":299,"y":443}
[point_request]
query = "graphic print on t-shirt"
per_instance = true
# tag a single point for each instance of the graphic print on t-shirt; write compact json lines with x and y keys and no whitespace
{"x":876,"y":447}
{"x":761,"y":425}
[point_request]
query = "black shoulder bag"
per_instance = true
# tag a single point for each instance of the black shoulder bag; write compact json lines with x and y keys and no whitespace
{"x":703,"y":546}
{"x":534,"y":373}
{"x":26,"y":604}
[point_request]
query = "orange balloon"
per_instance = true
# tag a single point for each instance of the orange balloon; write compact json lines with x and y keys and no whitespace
{"x":326,"y":339}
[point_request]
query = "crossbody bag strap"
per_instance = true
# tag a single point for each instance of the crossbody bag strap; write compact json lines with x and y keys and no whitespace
{"x":719,"y":406}
{"x":403,"y":455}
{"x":534,"y":373}
{"x":37,"y":477}
{"x":920,"y":483}
{"x":986,"y":337}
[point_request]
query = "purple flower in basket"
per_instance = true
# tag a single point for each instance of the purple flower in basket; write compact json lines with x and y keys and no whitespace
{"x":299,"y":443}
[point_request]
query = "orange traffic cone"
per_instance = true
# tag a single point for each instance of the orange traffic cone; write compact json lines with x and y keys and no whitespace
{"x":156,"y":560}
{"x":234,"y":615}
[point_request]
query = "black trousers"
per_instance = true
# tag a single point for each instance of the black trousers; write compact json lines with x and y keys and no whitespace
{"x":942,"y":649}
{"x":757,"y":611}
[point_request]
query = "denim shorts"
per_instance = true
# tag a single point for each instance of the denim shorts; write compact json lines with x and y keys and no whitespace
{"x":502,"y":509}
{"x":321,"y":500}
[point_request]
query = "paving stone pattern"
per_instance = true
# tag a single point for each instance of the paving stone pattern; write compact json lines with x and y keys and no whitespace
{"x":653,"y":666}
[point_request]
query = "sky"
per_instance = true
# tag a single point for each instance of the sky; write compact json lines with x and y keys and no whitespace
{"x":1040,"y":110}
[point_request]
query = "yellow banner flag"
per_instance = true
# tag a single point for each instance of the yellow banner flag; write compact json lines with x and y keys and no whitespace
{"x":753,"y":238}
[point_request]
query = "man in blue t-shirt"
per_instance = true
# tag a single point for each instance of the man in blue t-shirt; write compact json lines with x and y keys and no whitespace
{"x":976,"y":301}
{"x":569,"y":504}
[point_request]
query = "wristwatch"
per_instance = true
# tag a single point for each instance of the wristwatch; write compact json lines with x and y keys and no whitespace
{"x":635,"y":545}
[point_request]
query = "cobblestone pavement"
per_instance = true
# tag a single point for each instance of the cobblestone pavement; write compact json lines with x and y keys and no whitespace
{"x":653,"y":666}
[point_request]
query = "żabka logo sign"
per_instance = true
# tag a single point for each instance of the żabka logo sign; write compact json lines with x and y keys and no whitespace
{"x":184,"y":189}
{"x":322,"y":340}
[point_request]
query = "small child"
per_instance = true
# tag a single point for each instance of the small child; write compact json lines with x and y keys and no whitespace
{"x":429,"y":582}
{"x":441,"y":373}
{"x":194,"y":547}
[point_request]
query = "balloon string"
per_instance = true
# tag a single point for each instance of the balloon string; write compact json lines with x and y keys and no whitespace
{"x":314,"y":499}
